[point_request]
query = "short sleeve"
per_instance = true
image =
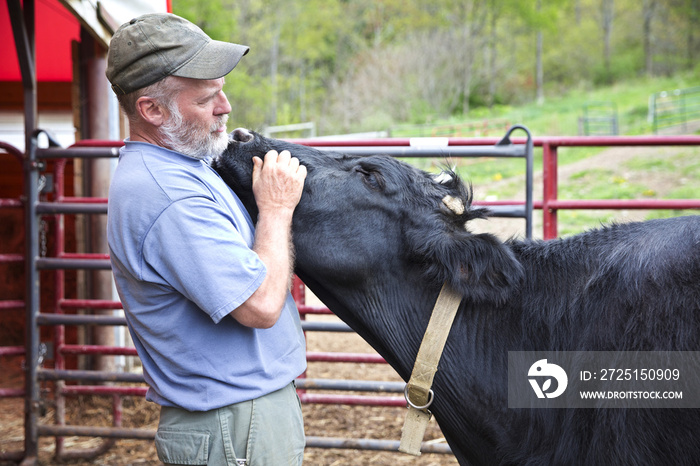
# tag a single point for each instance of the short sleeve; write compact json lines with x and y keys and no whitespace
{"x":199,"y":248}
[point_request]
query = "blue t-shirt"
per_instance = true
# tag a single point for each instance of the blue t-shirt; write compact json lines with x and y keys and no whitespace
{"x":180,"y":245}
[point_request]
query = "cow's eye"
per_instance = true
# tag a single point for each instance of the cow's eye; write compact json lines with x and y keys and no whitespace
{"x":372,"y":178}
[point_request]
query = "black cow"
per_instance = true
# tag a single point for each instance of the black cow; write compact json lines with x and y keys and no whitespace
{"x":375,"y":242}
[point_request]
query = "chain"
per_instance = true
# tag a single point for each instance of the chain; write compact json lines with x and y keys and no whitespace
{"x":42,"y":183}
{"x":43,"y":351}
{"x":43,"y":228}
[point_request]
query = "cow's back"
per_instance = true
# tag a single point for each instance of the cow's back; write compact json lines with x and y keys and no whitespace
{"x":633,"y":286}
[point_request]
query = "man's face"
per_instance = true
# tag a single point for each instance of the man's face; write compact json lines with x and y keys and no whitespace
{"x":196,"y":125}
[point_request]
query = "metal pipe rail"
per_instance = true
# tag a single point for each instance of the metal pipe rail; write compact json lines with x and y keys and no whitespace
{"x":311,"y":441}
{"x":49,"y":208}
{"x":87,"y":319}
{"x":311,"y":356}
{"x":302,"y":383}
{"x":432,"y":151}
{"x":550,"y":159}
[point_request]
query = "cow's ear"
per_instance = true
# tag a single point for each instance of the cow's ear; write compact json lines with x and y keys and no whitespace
{"x":479,"y":266}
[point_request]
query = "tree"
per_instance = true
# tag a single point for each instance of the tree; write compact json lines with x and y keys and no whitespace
{"x":494,"y":13}
{"x":539,"y":73}
{"x":693,"y":15}
{"x":648,"y":8}
{"x":607,"y":15}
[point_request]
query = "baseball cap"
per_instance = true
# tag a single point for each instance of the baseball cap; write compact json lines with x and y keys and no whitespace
{"x":157,"y":45}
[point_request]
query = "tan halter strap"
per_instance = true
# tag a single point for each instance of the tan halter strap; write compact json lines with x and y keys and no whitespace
{"x":418,"y":394}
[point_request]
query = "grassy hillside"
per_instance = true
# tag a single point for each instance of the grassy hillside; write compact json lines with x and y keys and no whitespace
{"x":559,"y":115}
{"x":588,"y":173}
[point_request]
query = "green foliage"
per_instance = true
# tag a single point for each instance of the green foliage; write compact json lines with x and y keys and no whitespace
{"x":215,"y":19}
{"x":624,"y":66}
{"x":356,"y":65}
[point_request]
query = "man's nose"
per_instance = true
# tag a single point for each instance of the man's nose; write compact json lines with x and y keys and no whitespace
{"x":223,"y":106}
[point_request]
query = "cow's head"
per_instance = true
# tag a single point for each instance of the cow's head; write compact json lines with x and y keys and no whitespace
{"x":361,"y":217}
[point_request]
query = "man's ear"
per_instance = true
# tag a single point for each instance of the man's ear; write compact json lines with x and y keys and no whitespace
{"x":151,"y":111}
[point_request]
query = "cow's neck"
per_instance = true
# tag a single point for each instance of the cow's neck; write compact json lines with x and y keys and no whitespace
{"x":390,"y":316}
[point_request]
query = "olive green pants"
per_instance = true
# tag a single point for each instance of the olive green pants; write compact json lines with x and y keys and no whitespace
{"x":267,"y":431}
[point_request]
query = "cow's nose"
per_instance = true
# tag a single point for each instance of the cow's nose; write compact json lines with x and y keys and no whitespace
{"x":241,"y":135}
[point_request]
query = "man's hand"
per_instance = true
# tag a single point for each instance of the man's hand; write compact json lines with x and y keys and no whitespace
{"x":277,"y":183}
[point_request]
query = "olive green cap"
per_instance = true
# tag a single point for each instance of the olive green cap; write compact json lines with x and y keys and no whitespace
{"x":154,"y":46}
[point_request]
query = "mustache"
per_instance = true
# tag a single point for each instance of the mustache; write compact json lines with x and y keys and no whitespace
{"x":221,"y":121}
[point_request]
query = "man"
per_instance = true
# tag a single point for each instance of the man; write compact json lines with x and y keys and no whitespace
{"x":206,"y":296}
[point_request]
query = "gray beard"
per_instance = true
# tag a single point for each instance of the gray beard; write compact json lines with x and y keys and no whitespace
{"x":193,"y":139}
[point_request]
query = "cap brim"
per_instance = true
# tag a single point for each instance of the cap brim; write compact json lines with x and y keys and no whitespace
{"x":215,"y":60}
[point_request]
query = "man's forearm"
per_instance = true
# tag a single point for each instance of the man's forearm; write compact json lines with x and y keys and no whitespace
{"x":273,"y":245}
{"x":277,"y":185}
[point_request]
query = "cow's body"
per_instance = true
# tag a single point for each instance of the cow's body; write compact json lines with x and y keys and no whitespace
{"x":375,"y":242}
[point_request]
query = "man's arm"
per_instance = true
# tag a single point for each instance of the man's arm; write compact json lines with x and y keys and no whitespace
{"x":277,"y":186}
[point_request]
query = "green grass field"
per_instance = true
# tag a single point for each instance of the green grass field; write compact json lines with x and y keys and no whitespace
{"x":671,"y":173}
